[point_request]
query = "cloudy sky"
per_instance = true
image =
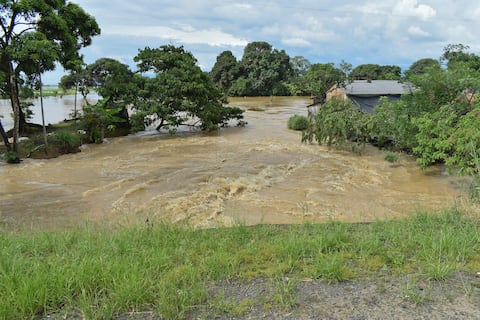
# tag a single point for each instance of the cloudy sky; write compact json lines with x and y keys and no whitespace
{"x":396,"y":32}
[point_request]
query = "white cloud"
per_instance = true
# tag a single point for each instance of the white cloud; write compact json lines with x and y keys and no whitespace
{"x":237,"y":12}
{"x":296,"y":42}
{"x":374,"y":8}
{"x":342,"y":20}
{"x":411,"y":8}
{"x":357,"y":31}
{"x":243,"y":5}
{"x":417,"y":32}
{"x":187,"y":34}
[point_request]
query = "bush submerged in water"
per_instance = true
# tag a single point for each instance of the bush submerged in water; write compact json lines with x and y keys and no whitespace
{"x":68,"y":141}
{"x":298,"y":122}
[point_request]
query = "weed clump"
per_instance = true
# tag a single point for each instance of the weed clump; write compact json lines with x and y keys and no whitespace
{"x":298,"y":122}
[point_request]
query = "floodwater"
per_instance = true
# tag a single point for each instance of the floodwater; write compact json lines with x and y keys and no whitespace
{"x":261,"y":173}
{"x":56,"y":109}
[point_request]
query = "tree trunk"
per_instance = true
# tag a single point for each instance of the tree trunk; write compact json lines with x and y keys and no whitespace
{"x":43,"y":112}
{"x":5,"y":137}
{"x":75,"y":106}
{"x":15,"y":106}
{"x":160,"y":125}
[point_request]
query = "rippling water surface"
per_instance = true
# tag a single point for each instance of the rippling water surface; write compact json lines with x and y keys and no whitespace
{"x":261,"y":173}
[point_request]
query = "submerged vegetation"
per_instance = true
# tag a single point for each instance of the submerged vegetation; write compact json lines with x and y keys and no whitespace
{"x":167,"y":269}
{"x":297,"y":122}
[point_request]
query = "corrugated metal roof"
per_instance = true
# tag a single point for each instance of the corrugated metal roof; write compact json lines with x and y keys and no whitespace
{"x":377,"y":87}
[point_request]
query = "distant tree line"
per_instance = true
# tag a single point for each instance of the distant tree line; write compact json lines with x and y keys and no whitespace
{"x":264,"y":70}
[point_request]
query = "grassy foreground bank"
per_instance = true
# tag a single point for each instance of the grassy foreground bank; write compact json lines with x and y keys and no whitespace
{"x":102,"y":272}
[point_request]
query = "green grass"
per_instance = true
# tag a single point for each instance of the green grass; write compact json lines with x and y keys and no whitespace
{"x":99,"y":272}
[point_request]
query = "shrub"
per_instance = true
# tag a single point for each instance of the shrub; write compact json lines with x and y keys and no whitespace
{"x":341,"y":124}
{"x":298,"y":122}
{"x":11,"y":157}
{"x":68,"y":141}
{"x":390,"y":156}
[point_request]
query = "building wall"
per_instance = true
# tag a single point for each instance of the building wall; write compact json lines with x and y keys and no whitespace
{"x":336,"y":92}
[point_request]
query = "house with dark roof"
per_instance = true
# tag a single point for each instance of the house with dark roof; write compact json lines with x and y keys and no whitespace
{"x":366,"y":94}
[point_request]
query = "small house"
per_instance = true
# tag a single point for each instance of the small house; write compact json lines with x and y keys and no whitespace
{"x":366,"y":94}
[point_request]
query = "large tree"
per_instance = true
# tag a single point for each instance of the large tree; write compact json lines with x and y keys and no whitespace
{"x":55,"y":25}
{"x":297,"y":81}
{"x":225,"y":70}
{"x":300,"y":65}
{"x":376,"y":72}
{"x":321,"y":77}
{"x":111,"y":77}
{"x":454,"y":54}
{"x":264,"y":68}
{"x":180,"y":93}
{"x":421,"y":66}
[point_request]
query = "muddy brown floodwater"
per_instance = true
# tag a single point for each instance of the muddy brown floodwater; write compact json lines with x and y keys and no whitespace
{"x":261,"y":173}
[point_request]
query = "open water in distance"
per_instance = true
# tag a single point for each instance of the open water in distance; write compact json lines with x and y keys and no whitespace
{"x":56,"y":109}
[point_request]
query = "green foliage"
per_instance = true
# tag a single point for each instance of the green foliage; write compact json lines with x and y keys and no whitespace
{"x":339,"y":123}
{"x":25,"y":106}
{"x":421,"y":66}
{"x":67,"y":140}
{"x":180,"y":93}
{"x":300,"y":66}
{"x":264,"y":70}
{"x":35,"y":53}
{"x":454,"y":54}
{"x":11,"y":157}
{"x":57,"y":30}
{"x":391,"y":124}
{"x":225,"y":71}
{"x":281,"y":89}
{"x":434,"y":131}
{"x":320,"y":78}
{"x":390,"y":156}
{"x":98,"y":117}
{"x":298,"y":122}
{"x":466,"y":142}
{"x":375,"y":72}
{"x":446,"y":127}
{"x":264,"y":66}
{"x":110,"y":77}
{"x":241,"y":87}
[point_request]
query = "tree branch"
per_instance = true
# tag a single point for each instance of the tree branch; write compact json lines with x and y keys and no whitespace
{"x":25,"y":30}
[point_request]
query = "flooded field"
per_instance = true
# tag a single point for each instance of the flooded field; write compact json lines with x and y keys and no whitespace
{"x":261,"y":173}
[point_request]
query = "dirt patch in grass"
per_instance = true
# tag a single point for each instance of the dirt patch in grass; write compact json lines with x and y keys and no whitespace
{"x":386,"y":297}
